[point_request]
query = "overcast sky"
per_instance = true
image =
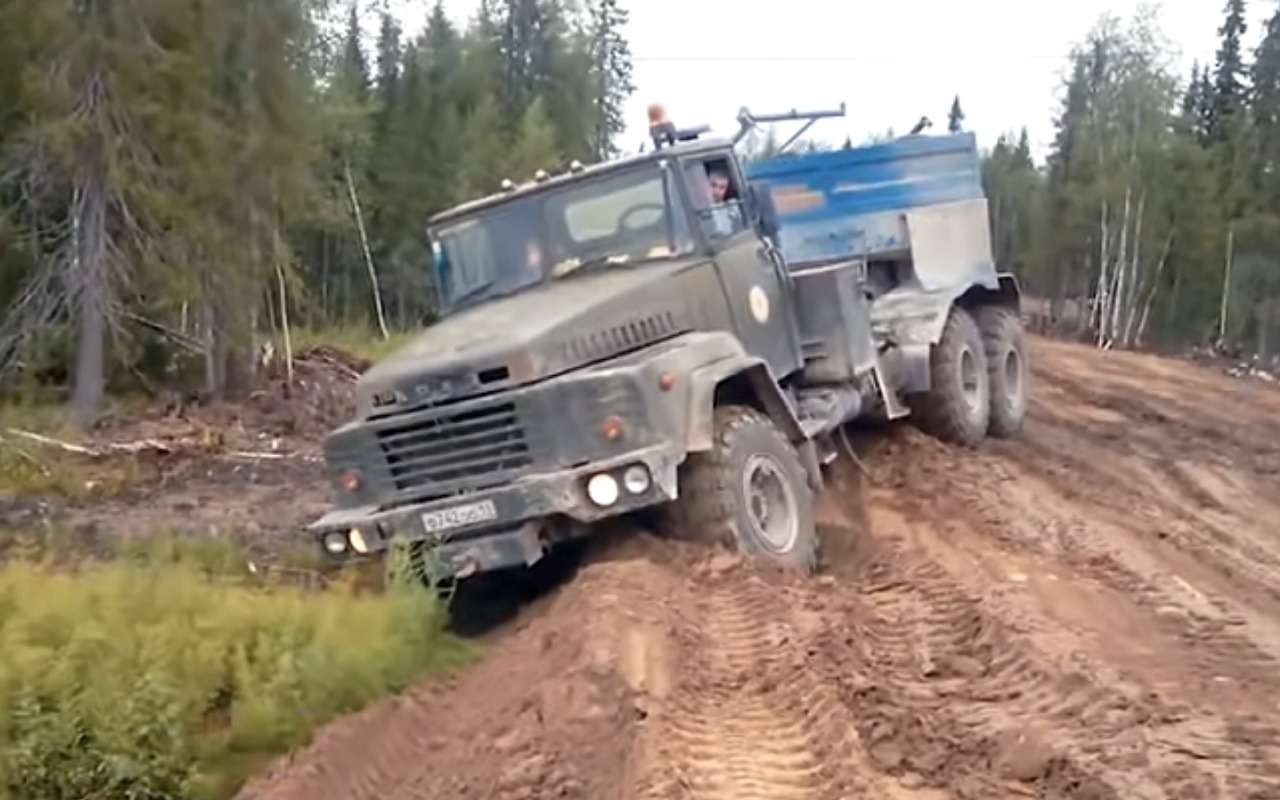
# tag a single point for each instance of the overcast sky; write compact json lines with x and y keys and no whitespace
{"x":889,"y":62}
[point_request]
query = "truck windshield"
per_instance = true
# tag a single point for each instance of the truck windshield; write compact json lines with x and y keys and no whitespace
{"x":612,"y":222}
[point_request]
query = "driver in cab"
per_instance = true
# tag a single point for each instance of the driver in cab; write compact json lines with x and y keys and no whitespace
{"x":724,"y":214}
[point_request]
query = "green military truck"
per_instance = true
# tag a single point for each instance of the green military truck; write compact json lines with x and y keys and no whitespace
{"x":678,"y":331}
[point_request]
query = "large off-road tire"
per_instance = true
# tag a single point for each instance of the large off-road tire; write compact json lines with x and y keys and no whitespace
{"x":956,"y":408}
{"x":749,"y":493}
{"x":1008,"y":368}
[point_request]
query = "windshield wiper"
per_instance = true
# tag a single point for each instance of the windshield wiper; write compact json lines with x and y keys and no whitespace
{"x":566,"y":269}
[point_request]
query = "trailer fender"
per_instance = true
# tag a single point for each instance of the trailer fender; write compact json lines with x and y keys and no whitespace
{"x":914,"y":321}
{"x":742,"y":380}
{"x":1007,"y":293}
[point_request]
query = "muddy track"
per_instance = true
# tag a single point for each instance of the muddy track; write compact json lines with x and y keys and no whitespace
{"x":1090,"y":610}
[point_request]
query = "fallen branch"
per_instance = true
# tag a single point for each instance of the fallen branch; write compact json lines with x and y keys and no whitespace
{"x":250,"y":455}
{"x":128,"y":448}
{"x":177,"y":337}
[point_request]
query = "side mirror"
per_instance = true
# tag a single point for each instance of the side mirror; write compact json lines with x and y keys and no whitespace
{"x":765,"y":212}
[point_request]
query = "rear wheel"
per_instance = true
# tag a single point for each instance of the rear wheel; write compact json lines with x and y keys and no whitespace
{"x":1004,"y":341}
{"x":749,"y":493}
{"x":957,"y":407}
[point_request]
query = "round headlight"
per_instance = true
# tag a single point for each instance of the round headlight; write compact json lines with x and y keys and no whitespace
{"x":603,"y":490}
{"x":335,"y":543}
{"x":637,"y":479}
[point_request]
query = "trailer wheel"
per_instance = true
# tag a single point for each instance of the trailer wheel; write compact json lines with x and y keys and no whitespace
{"x":957,"y":407}
{"x":1010,"y":374}
{"x":749,"y":493}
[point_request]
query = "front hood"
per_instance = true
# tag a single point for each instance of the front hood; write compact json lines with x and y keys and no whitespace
{"x":533,"y":335}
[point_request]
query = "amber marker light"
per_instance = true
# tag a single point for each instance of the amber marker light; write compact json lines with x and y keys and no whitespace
{"x":351,"y":481}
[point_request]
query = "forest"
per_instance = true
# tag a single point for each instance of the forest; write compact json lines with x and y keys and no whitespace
{"x":182,"y":182}
{"x":1155,"y":221}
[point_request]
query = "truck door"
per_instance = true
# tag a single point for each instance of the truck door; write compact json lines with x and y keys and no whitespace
{"x":757,"y":289}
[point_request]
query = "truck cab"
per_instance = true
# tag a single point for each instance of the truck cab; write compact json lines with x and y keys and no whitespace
{"x":619,"y":337}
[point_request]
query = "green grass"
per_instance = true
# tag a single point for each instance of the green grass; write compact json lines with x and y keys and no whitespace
{"x":358,"y":340}
{"x":170,"y":672}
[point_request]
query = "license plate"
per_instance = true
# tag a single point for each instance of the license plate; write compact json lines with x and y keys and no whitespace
{"x":447,"y":519}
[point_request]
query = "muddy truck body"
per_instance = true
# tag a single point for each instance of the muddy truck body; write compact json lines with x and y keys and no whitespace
{"x":620,"y":338}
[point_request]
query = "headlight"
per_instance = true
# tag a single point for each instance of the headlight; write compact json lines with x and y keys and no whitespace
{"x":637,"y":479}
{"x":335,"y":543}
{"x":603,"y":490}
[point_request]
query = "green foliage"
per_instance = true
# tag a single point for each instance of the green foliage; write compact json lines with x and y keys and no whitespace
{"x":360,"y":340}
{"x":171,"y":677}
{"x":235,"y":135}
{"x":1230,"y":72}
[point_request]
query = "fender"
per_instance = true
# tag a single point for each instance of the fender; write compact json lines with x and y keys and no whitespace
{"x":749,"y":373}
{"x":913,"y":320}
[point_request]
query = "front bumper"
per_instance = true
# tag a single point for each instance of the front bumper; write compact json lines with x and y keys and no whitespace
{"x":513,"y":533}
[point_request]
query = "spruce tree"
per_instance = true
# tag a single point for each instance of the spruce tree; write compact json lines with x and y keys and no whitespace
{"x":955,"y":117}
{"x":612,"y":69}
{"x":1229,"y":73}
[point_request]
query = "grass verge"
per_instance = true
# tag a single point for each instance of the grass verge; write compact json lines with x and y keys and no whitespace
{"x":164,"y":673}
{"x":358,"y":340}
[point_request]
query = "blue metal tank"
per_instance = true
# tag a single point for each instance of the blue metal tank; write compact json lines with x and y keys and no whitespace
{"x":851,"y":203}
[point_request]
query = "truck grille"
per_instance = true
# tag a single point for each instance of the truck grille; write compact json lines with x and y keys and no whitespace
{"x":456,"y":449}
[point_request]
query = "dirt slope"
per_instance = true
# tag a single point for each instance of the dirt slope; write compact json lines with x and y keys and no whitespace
{"x":1090,"y":611}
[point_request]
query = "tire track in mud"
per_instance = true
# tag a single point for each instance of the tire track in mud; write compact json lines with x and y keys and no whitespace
{"x":746,"y":722}
{"x":1194,"y":750}
{"x":1024,"y":505}
{"x":1089,"y":731}
{"x":938,"y":661}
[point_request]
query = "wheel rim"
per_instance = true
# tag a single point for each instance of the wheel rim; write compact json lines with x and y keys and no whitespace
{"x":1013,"y":376}
{"x":771,"y":503}
{"x":970,"y":380}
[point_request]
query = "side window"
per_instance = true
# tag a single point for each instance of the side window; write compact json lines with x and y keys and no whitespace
{"x":717,"y":197}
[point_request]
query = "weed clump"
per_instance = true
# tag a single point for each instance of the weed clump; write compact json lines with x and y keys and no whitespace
{"x":166,"y":674}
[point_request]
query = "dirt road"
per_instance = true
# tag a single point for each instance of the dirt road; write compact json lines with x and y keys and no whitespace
{"x":1091,"y":611}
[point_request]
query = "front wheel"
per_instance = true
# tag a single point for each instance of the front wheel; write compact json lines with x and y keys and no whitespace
{"x":749,"y":493}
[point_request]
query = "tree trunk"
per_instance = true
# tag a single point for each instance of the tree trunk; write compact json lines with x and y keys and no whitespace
{"x":1226,"y":283}
{"x":324,"y":276}
{"x":91,"y":268}
{"x":1099,"y":311}
{"x":1151,"y":295}
{"x":1136,"y":286}
{"x":284,"y":320}
{"x":368,"y":257}
{"x":1122,"y":262}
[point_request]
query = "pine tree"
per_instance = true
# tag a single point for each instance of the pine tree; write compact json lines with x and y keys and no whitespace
{"x":534,"y":146}
{"x":486,"y":150}
{"x":1022,"y":154}
{"x":955,"y":117}
{"x":1266,"y":114}
{"x":389,"y":60}
{"x":611,"y":67}
{"x":353,"y":69}
{"x":1229,"y":74}
{"x":1191,"y":100}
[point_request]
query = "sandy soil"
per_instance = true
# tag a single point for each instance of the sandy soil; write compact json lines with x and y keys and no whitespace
{"x":1089,"y":611}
